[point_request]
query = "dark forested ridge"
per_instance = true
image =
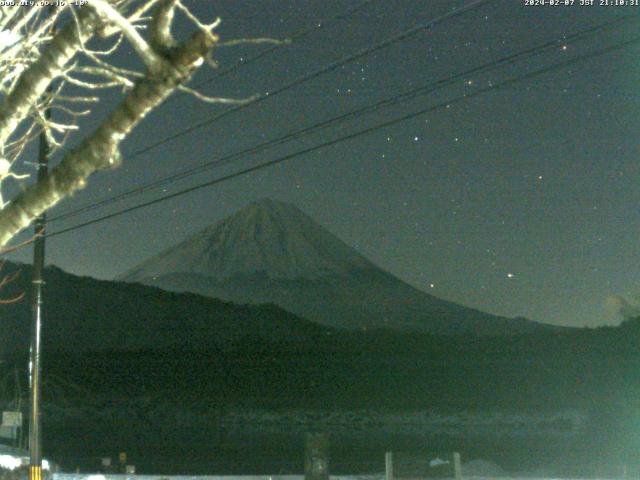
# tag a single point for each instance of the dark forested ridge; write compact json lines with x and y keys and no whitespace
{"x":376,"y":369}
{"x":177,"y":398}
{"x":85,"y":314}
{"x":111,"y":336}
{"x":124,"y":362}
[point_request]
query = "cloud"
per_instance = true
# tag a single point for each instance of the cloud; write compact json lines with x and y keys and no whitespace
{"x":621,"y":307}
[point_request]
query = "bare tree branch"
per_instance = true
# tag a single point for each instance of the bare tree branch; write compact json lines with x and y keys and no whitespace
{"x":6,"y":280}
{"x":35,"y":80}
{"x":44,"y":70}
{"x":161,"y":38}
{"x":101,"y":150}
{"x":149,"y":57}
{"x":207,"y":99}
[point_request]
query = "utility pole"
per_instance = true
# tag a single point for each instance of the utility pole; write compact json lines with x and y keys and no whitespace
{"x":18,"y":401}
{"x":35,"y":439}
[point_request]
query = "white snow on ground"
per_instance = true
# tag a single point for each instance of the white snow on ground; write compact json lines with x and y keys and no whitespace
{"x":12,"y":458}
{"x":11,"y":461}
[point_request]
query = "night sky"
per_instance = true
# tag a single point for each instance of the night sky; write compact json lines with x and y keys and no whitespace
{"x":522,"y":201}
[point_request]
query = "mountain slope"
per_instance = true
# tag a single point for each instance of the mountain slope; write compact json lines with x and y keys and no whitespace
{"x":84,"y":314}
{"x":271,"y":252}
{"x":266,"y":238}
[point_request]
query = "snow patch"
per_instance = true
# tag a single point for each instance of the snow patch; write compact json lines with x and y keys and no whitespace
{"x":269,"y":238}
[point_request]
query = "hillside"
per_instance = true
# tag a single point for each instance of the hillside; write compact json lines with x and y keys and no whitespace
{"x":526,"y":399}
{"x":84,"y":314}
{"x":125,"y":364}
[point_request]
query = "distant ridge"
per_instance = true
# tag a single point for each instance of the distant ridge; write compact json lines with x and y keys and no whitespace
{"x":272,"y":252}
{"x":84,"y":314}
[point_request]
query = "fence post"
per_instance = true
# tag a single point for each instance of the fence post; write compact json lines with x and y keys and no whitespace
{"x":388,"y":465}
{"x":457,"y":466}
{"x":316,"y":461}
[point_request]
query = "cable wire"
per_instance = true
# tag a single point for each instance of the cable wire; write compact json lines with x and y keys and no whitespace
{"x":344,"y":138}
{"x":404,"y":96}
{"x":305,"y":78}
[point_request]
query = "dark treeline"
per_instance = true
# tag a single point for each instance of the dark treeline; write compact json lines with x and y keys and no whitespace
{"x":122,"y":363}
{"x":593,"y":370}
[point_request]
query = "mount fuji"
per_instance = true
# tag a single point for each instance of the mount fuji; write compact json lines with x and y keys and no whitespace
{"x":272,"y":252}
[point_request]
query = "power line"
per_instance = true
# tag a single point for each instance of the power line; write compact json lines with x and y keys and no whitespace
{"x":326,"y":69}
{"x":305,"y":78}
{"x":359,"y":133}
{"x":407,"y":95}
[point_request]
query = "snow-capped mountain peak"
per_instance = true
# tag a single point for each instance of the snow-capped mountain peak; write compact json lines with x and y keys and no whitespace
{"x":268,"y":237}
{"x":271,"y":252}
